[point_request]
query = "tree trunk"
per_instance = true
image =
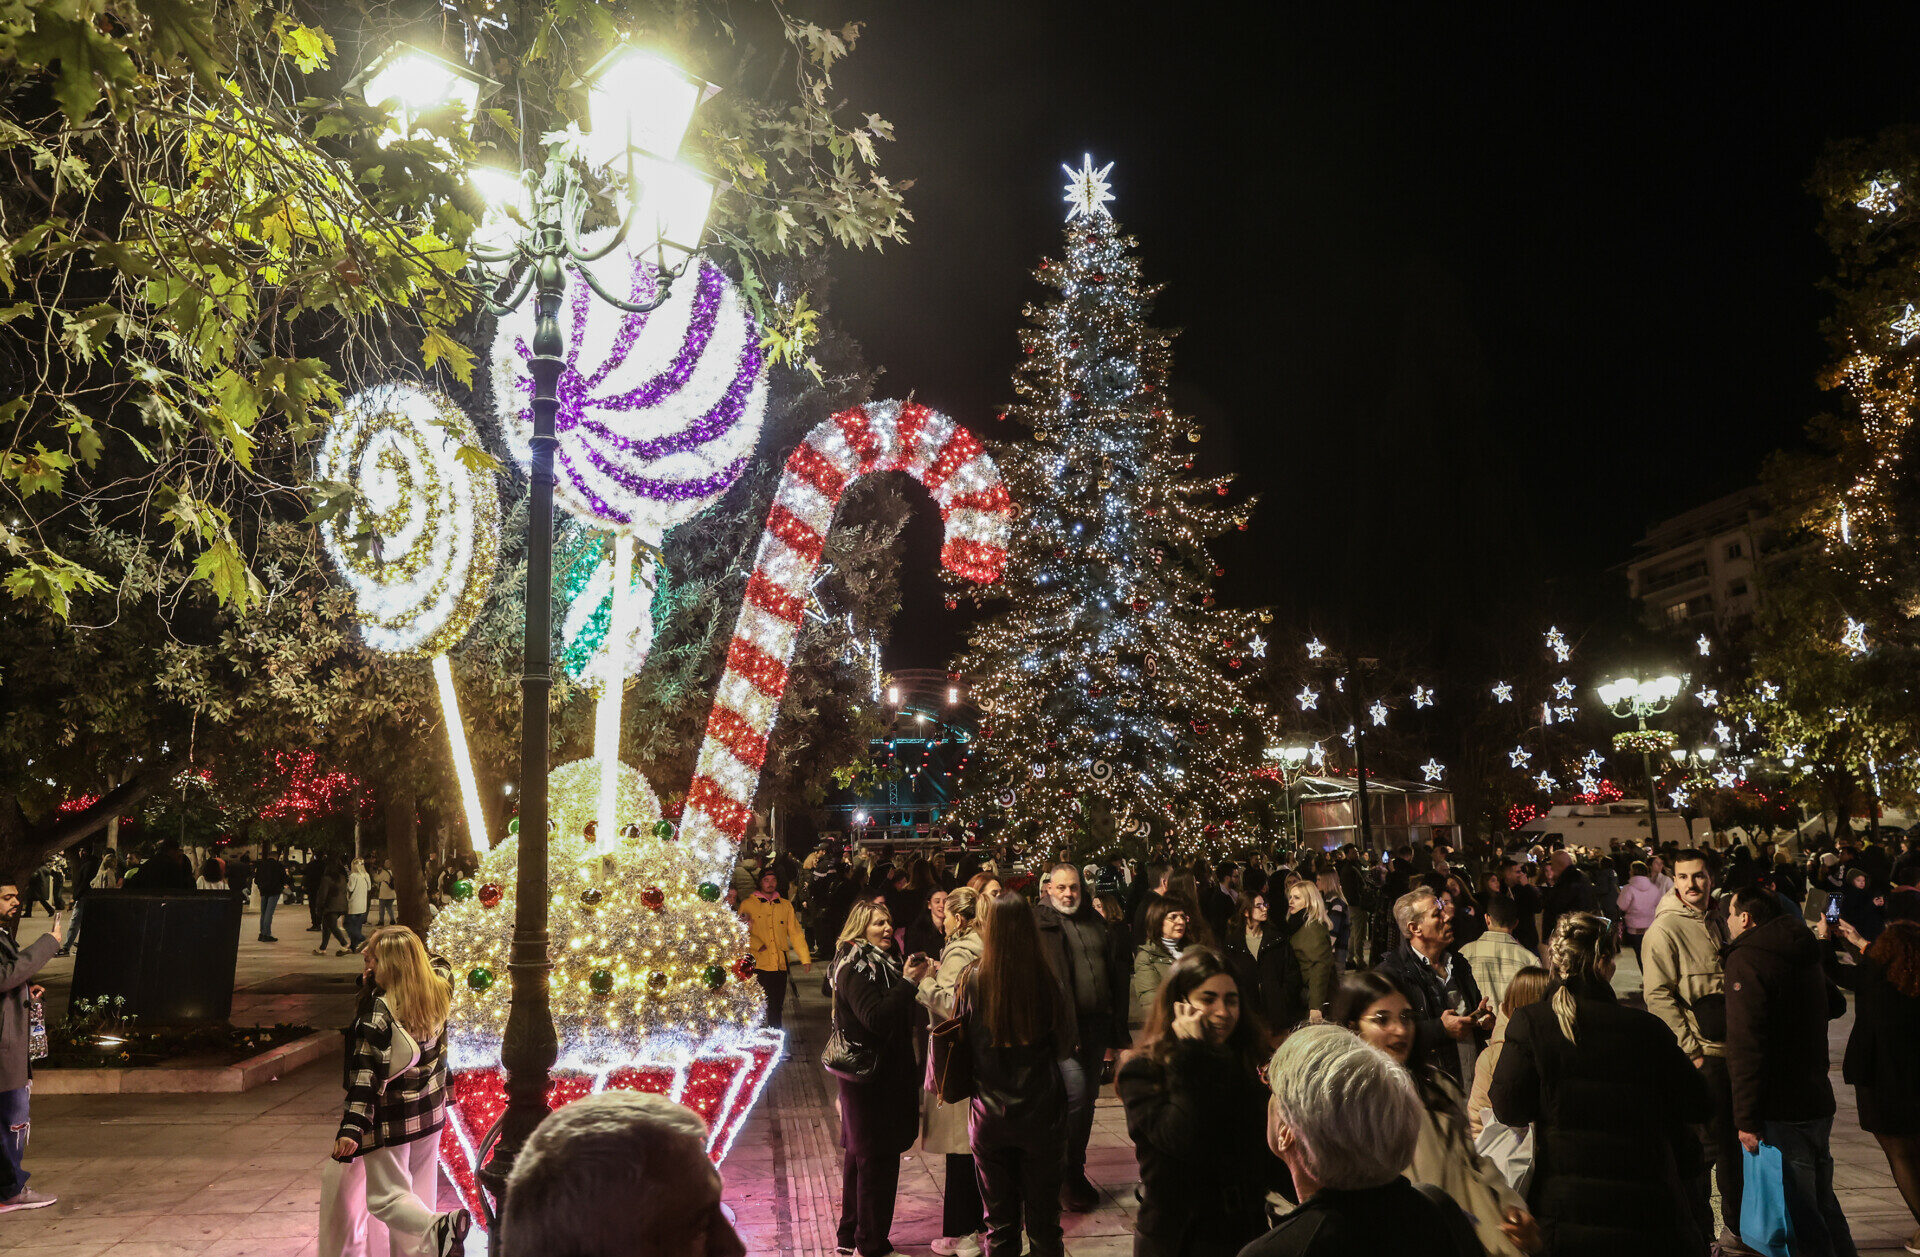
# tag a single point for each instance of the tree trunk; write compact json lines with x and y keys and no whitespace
{"x":403,"y":856}
{"x":25,"y":846}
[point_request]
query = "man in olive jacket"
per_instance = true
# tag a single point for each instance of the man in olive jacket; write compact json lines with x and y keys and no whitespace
{"x":18,"y":967}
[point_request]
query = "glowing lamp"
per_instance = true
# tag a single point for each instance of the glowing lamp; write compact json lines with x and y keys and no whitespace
{"x":639,"y":100}
{"x":417,"y":81}
{"x":1708,"y":754}
{"x":1679,"y":755}
{"x":509,"y":207}
{"x":670,"y":204}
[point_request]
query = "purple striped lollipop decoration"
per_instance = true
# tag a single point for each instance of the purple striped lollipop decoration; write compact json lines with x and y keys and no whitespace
{"x":658,"y":412}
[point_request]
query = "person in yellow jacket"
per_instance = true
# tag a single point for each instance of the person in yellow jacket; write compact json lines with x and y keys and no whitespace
{"x":771,"y":930}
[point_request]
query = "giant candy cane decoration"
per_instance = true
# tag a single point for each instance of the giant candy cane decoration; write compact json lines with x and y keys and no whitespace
{"x":878,"y":437}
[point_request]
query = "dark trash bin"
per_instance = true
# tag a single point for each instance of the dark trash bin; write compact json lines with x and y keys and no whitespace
{"x":170,"y":954}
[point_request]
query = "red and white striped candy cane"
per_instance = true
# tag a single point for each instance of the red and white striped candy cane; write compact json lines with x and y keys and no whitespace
{"x":878,"y":437}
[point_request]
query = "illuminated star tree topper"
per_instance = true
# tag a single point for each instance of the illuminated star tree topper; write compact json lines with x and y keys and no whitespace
{"x":1087,"y":190}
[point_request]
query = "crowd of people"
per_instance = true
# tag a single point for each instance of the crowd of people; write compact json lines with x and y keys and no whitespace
{"x":1232,"y":1009}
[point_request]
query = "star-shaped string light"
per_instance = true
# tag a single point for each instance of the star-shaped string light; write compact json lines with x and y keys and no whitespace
{"x":1589,"y":784}
{"x":1557,"y":643}
{"x":1257,"y":646}
{"x":1880,"y":196}
{"x":1308,"y":698}
{"x":1348,"y":736}
{"x":1679,"y":798}
{"x":1502,"y":692}
{"x":1422,"y":696}
{"x":1087,"y":190}
{"x":1749,"y":721}
{"x":1707,"y":698}
{"x":1433,"y":770}
{"x":1340,"y":684}
{"x":1908,"y":325}
{"x":1594,"y":761}
{"x":1727,"y":778}
{"x":1316,"y":648}
{"x":1722,"y":733}
{"x":1563,"y":688}
{"x":1317,"y":755}
{"x":1706,"y":647}
{"x":1797,"y":751}
{"x":1855,"y":638}
{"x":1769,"y":691}
{"x":1545,"y":780}
{"x":1567,"y":713}
{"x":1379,"y":713}
{"x":1519,"y":756}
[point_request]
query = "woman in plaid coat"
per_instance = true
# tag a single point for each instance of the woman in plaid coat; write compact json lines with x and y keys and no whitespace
{"x":396,"y":1080}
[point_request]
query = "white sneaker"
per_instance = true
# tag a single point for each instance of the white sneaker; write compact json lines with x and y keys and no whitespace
{"x":957,"y":1246}
{"x":28,"y":1199}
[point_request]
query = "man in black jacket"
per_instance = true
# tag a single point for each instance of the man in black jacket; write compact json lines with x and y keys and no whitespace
{"x":1568,"y":890}
{"x":1452,"y":1018}
{"x":271,"y":877}
{"x":1779,"y":1001}
{"x":1092,"y":966}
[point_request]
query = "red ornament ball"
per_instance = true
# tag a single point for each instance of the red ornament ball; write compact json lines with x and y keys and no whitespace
{"x":1221,"y":490}
{"x":1243,"y":525}
{"x":953,"y":604}
{"x":1233,"y":663}
{"x":490,"y":895}
{"x":655,"y":898}
{"x":1219,"y":571}
{"x":1140,"y":604}
{"x":743,"y":967}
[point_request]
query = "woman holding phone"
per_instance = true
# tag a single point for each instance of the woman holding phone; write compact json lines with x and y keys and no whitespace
{"x":1196,"y":1110}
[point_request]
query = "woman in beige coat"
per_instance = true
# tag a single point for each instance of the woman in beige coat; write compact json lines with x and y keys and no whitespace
{"x":943,"y":1127}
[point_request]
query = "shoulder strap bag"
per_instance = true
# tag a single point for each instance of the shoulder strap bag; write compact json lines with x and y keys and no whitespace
{"x":841,"y":1057}
{"x":949,"y":1055}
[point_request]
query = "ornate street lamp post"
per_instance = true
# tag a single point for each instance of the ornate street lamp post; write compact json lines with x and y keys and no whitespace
{"x":1632,"y":698}
{"x":639,"y":106}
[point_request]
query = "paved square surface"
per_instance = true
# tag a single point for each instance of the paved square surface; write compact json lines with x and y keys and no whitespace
{"x":238,"y":1175}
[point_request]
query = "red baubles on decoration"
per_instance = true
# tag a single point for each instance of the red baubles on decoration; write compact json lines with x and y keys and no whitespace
{"x":953,"y":604}
{"x":1219,"y":571}
{"x":1221,"y":490}
{"x":654,"y":898}
{"x":490,"y":895}
{"x":743,"y":967}
{"x":1233,"y":663}
{"x":1140,"y":605}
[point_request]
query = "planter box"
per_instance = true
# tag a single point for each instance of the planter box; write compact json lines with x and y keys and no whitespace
{"x":186,"y":1077}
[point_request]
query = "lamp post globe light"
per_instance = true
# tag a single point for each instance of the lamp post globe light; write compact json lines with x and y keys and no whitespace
{"x":1635,"y":699}
{"x":639,"y":106}
{"x":1290,"y":761}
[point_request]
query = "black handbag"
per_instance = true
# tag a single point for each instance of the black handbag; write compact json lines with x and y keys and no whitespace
{"x":842,"y":1057}
{"x":949,"y":1055}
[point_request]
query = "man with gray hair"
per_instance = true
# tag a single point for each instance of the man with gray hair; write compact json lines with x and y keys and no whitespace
{"x":619,"y":1174}
{"x":1452,"y":1018}
{"x":1345,"y":1117}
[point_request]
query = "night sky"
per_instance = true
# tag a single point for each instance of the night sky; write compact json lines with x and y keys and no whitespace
{"x":1469,"y":298}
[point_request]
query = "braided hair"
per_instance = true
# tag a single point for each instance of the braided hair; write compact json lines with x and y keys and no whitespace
{"x":1582,"y":944}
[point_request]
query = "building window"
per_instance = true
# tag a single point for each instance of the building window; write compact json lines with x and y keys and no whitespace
{"x":1677,"y":613}
{"x":1738,"y":589}
{"x":1736,"y":550}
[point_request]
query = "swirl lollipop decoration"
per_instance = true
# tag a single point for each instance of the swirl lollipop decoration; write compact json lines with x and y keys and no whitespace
{"x":657,"y":417}
{"x":431,"y":531}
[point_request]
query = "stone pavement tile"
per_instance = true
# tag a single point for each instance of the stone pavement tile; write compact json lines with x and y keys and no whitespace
{"x":59,"y":1248}
{"x":1101,"y":1246}
{"x":258,"y":1246}
{"x":156,"y":1248}
{"x":303,"y":1196}
{"x":198,"y":1230}
{"x":278,"y":1225}
{"x":222,"y":1197}
{"x":68,"y":1223}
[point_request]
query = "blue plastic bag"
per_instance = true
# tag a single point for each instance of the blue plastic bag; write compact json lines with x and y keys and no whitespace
{"x":1765,"y":1225}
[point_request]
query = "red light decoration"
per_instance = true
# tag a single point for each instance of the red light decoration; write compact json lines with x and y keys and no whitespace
{"x":310,"y":793}
{"x":721,"y":1086}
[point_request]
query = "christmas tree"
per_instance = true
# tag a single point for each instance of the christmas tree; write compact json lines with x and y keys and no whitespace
{"x":1111,"y":686}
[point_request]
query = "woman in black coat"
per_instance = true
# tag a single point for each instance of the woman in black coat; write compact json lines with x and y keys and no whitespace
{"x":1197,"y":1113}
{"x":1882,"y":1062}
{"x":874,"y":1008}
{"x":1269,"y":977}
{"x":1610,"y":1094}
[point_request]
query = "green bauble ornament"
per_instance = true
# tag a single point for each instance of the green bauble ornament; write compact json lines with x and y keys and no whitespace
{"x":663,"y":830}
{"x":479,"y":978}
{"x":591,"y":896}
{"x":709,"y":892}
{"x":600,"y":981}
{"x":714,"y":976}
{"x":513,"y":826}
{"x":463,"y":889}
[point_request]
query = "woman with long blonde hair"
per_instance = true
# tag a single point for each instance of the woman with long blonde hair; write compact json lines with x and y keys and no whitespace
{"x":396,"y":1079}
{"x":1310,"y":932}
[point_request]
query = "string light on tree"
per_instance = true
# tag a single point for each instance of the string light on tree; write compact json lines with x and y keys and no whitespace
{"x":1257,"y":646}
{"x":1707,"y":698}
{"x":1519,"y":757}
{"x":1563,"y":688}
{"x":1316,"y":649}
{"x":1589,"y":784}
{"x":1593,"y":760}
{"x":1433,"y":770}
{"x":1557,"y":643}
{"x":1721,"y":733}
{"x":1726,"y":778}
{"x":1855,"y":637}
{"x":1908,"y":325}
{"x":1379,"y":713}
{"x":1769,"y":691}
{"x":1881,"y":196}
{"x":1502,"y":692}
{"x":1546,"y":782}
{"x":1308,"y":698}
{"x":1422,"y":696}
{"x":1679,"y":798}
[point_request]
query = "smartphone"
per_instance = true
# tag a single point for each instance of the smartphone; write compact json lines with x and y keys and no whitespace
{"x":1833,"y":909}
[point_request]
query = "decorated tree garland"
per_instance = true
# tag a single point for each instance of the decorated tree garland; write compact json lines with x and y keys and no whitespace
{"x":865,"y":440}
{"x":418,"y":545}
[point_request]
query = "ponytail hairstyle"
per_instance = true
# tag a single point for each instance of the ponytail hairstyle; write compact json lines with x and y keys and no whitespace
{"x":964,"y":902}
{"x":1582,"y":944}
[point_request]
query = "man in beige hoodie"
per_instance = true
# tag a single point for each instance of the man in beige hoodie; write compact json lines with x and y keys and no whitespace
{"x":1685,"y":988}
